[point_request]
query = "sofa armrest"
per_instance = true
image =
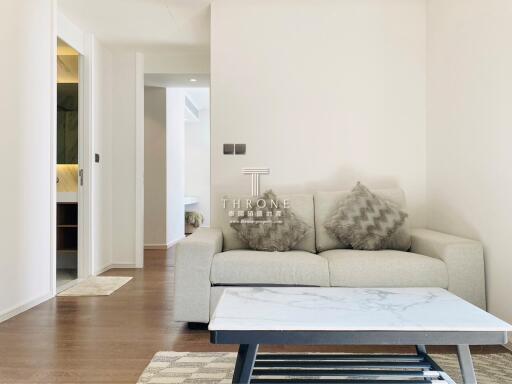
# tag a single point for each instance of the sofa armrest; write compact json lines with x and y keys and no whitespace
{"x":194,"y":257}
{"x":464,"y":261}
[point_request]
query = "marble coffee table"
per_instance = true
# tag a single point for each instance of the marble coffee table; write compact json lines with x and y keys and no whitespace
{"x":350,"y":316}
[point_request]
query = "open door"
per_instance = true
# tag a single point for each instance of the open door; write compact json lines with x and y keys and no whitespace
{"x":70,"y":174}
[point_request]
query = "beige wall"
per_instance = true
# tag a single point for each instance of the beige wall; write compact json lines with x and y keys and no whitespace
{"x":324,"y":93}
{"x":469,"y":183}
{"x":154,"y":167}
{"x":164,"y":180}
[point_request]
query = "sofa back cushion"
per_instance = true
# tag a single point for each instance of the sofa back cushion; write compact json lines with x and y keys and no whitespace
{"x":302,"y":207}
{"x":327,"y":202}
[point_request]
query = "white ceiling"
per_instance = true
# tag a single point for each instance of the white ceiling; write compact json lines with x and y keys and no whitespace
{"x":148,"y":25}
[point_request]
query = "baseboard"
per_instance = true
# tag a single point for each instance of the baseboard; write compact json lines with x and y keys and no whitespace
{"x":163,"y":246}
{"x":24,"y":307}
{"x":103,"y":269}
{"x":155,"y":246}
{"x":116,"y":266}
{"x":123,"y":265}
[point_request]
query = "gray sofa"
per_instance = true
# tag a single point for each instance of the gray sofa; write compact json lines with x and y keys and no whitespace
{"x":212,"y":259}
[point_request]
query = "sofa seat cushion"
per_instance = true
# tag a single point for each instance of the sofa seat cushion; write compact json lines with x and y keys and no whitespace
{"x":241,"y":267}
{"x":354,"y":268}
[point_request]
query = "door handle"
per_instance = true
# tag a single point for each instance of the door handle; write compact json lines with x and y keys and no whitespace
{"x":81,"y":175}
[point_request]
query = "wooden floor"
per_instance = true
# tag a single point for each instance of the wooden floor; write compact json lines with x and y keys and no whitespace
{"x":109,"y":339}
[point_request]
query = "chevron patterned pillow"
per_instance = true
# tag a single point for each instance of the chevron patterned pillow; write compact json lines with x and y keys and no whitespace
{"x":270,"y":227}
{"x":364,"y":220}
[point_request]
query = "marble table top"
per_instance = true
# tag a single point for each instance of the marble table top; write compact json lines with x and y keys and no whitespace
{"x":349,"y":309}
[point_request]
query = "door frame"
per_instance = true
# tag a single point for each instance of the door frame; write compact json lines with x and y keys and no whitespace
{"x":82,"y":44}
{"x":139,"y":160}
{"x":85,"y":158}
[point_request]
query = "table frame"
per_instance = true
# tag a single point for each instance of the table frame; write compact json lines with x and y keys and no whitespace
{"x":250,"y":340}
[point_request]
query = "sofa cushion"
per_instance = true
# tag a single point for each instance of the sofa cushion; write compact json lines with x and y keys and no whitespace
{"x":241,"y":267}
{"x":367,"y":221}
{"x":272,"y":226}
{"x":327,"y":202}
{"x":302,"y":206}
{"x":353,"y":268}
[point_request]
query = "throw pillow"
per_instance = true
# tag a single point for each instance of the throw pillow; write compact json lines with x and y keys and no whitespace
{"x":365,"y":221}
{"x":269,"y":225}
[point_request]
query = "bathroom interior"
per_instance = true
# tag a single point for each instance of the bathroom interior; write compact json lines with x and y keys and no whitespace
{"x":68,"y":69}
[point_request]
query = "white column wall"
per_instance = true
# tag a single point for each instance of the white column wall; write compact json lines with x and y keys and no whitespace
{"x":123,"y":157}
{"x":28,"y":38}
{"x":175,"y":151}
{"x":197,"y":164}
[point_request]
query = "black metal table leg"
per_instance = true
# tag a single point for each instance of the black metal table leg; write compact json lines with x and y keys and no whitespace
{"x":466,"y":364}
{"x":244,"y":363}
{"x":421,"y":348}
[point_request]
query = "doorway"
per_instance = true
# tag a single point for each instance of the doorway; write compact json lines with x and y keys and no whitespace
{"x":176,"y":157}
{"x":69,"y":173}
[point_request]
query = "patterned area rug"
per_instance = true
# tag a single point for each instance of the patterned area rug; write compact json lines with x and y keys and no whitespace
{"x":217,"y":368}
{"x":96,"y":286}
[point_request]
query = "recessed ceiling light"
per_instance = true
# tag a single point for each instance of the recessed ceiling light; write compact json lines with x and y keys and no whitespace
{"x":192,"y":80}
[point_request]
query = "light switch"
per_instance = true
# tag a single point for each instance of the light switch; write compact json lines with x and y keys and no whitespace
{"x":239,"y":149}
{"x":229,"y":149}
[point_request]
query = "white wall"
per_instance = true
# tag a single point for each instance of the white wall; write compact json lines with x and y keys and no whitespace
{"x":324,"y":93}
{"x":197,"y":164}
{"x":28,"y":35}
{"x":102,"y":144}
{"x":155,"y":198}
{"x":469,"y":132}
{"x":125,"y":112}
{"x":175,"y":144}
